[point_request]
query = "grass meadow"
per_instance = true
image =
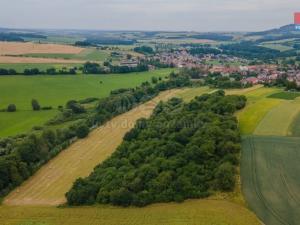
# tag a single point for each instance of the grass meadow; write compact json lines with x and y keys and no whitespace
{"x":54,"y":91}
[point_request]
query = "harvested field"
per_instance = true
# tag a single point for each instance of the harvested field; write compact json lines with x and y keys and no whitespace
{"x":19,"y":48}
{"x":49,"y":185}
{"x":270,"y":178}
{"x":20,"y":59}
{"x":193,"y":212}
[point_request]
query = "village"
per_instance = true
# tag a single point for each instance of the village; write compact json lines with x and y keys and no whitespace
{"x":223,"y":64}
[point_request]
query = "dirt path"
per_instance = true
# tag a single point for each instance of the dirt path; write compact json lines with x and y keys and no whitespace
{"x":49,"y":185}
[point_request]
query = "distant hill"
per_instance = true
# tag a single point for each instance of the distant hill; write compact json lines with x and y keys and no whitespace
{"x":282,"y":30}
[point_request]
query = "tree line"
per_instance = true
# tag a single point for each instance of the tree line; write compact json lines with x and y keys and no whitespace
{"x":182,"y":151}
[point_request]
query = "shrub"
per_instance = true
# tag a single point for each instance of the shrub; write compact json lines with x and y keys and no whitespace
{"x":75,"y":107}
{"x":82,"y":131}
{"x":35,"y":105}
{"x":11,"y":108}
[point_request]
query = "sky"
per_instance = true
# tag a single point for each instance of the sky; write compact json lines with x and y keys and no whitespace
{"x":171,"y":15}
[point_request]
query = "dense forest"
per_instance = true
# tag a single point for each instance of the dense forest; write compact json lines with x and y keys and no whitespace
{"x":22,"y":155}
{"x":183,"y":151}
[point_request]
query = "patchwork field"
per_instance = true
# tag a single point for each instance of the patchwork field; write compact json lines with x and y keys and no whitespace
{"x":54,"y":91}
{"x":270,"y":177}
{"x":49,"y":185}
{"x":269,"y":166}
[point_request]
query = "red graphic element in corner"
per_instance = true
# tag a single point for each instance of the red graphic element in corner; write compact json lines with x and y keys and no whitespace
{"x":297,"y":18}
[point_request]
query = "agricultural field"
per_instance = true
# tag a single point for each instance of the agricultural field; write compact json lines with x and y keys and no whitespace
{"x":54,"y":91}
{"x":277,"y":121}
{"x":200,"y":212}
{"x":20,"y":48}
{"x":39,"y":53}
{"x":23,"y":206}
{"x":269,"y":165}
{"x":270,"y":178}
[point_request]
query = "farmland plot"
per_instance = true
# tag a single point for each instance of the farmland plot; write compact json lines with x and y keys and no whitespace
{"x":270,"y":178}
{"x":278,"y":120}
{"x":53,"y":180}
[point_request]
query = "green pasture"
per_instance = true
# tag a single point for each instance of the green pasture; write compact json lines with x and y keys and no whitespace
{"x":270,"y":178}
{"x":54,"y":91}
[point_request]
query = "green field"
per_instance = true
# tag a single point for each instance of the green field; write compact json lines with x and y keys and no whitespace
{"x":270,"y":178}
{"x":54,"y":91}
{"x":285,"y":95}
{"x":258,"y":105}
{"x":277,"y":121}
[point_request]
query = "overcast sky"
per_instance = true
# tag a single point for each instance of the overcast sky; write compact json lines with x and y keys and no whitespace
{"x":187,"y":15}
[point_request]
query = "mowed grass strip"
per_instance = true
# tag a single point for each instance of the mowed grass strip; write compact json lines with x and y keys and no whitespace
{"x":49,"y":185}
{"x":54,"y":91}
{"x":193,"y":212}
{"x":278,"y":120}
{"x":258,"y":105}
{"x":270,"y":178}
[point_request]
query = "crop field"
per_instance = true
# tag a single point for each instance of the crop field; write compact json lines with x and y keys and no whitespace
{"x":258,"y":105}
{"x":196,"y":212}
{"x":277,"y":121}
{"x":270,"y":177}
{"x":20,"y":48}
{"x":20,"y":59}
{"x":54,"y":91}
